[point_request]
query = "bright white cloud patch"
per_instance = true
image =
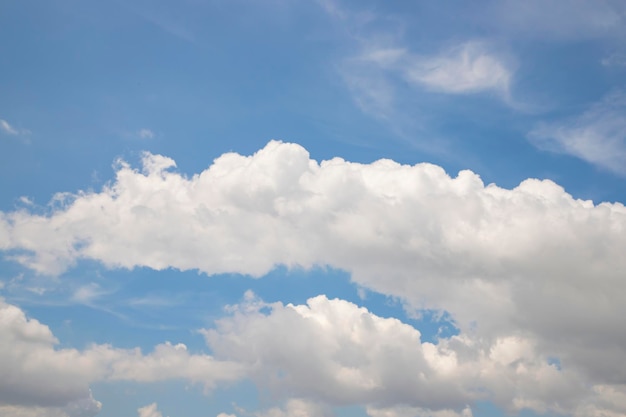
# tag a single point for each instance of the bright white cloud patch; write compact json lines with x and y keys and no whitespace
{"x":527,"y":274}
{"x":40,"y":380}
{"x":598,"y":135}
{"x":150,"y":410}
{"x":333,"y":352}
{"x":416,"y":412}
{"x":7,"y":128}
{"x":467,"y":68}
{"x":296,"y":408}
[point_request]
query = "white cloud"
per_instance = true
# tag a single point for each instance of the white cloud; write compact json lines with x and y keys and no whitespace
{"x":378,"y":73}
{"x":149,"y":411}
{"x":530,"y":266}
{"x":7,"y":128}
{"x":145,"y":134}
{"x":296,"y":407}
{"x":87,"y":407}
{"x":597,"y":136}
{"x":333,"y":352}
{"x":467,"y":68}
{"x":416,"y":412}
{"x":10,"y":130}
{"x":42,"y":380}
{"x":85,"y":294}
{"x":168,"y":362}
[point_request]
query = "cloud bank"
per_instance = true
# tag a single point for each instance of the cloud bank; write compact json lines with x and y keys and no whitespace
{"x":533,"y":278}
{"x":344,"y":355}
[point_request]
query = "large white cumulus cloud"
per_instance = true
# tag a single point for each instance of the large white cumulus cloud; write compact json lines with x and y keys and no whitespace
{"x":334,"y":352}
{"x":530,"y":264}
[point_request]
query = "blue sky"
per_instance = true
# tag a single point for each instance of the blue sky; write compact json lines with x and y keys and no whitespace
{"x":312,"y":208}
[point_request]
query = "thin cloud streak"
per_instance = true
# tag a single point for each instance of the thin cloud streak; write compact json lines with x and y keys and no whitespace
{"x":597,"y":136}
{"x":8,"y":129}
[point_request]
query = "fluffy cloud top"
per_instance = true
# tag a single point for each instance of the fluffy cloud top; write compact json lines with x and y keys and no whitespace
{"x":409,"y":231}
{"x":344,"y":355}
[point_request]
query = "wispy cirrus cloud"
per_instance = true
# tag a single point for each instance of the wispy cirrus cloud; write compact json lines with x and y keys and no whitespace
{"x":471,"y":67}
{"x":463,"y":69}
{"x":598,"y":135}
{"x":391,"y":80}
{"x":614,"y":60}
{"x":8,"y":129}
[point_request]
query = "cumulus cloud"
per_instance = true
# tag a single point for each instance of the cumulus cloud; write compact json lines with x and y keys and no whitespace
{"x":416,"y":412}
{"x":150,"y":410}
{"x":145,"y":134}
{"x":39,"y":379}
{"x":597,"y":136}
{"x":343,"y":355}
{"x":297,"y":407}
{"x":529,"y":268}
{"x":86,"y":407}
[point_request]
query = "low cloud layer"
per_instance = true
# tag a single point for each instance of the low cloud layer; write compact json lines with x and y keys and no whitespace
{"x":41,"y":380}
{"x":345,"y":355}
{"x":529,"y":270}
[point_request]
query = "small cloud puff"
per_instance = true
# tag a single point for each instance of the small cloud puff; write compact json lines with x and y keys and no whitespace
{"x":145,"y":134}
{"x":149,"y":411}
{"x":8,"y":129}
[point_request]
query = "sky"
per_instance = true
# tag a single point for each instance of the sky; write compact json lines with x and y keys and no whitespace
{"x":312,"y":208}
